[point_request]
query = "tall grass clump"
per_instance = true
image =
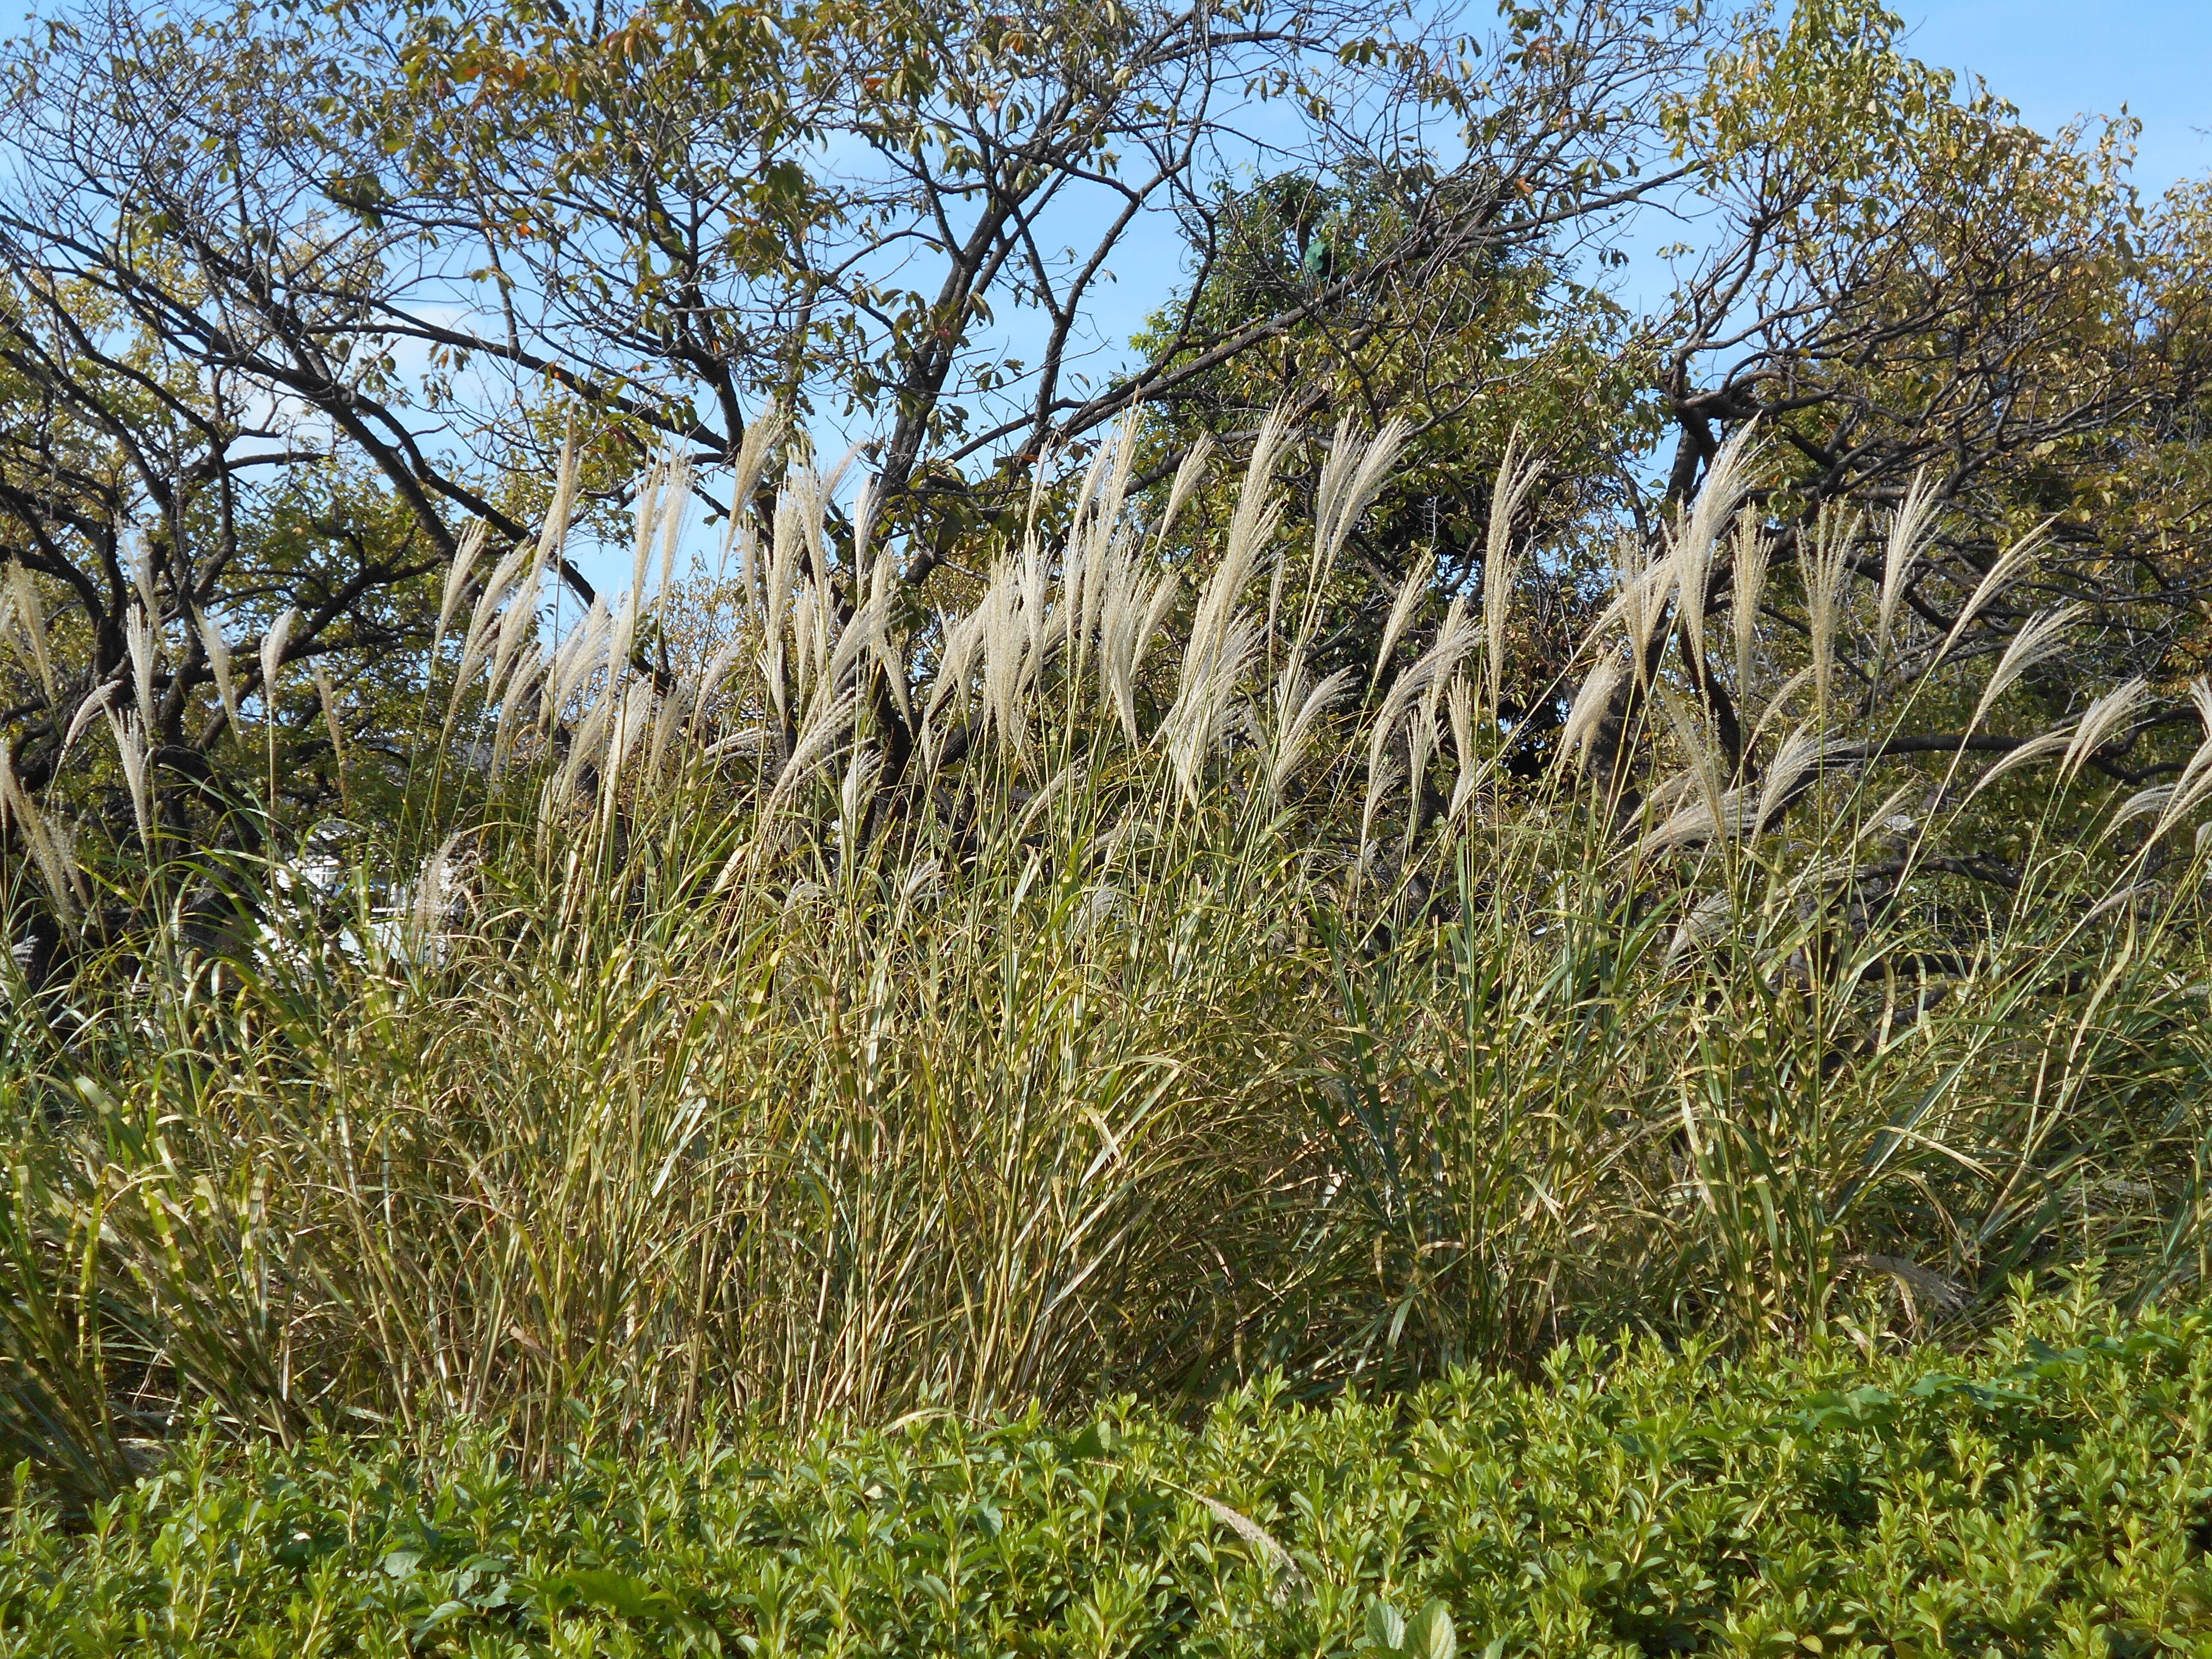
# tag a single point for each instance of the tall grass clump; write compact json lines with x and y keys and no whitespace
{"x":1105,"y":986}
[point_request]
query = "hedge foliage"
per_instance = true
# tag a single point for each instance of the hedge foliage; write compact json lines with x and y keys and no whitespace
{"x":2047,"y":1493}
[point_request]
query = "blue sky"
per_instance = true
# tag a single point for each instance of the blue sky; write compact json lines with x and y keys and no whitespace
{"x":2060,"y":59}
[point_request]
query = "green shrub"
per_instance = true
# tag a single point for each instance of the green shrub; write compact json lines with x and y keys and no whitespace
{"x":2048,"y":1494}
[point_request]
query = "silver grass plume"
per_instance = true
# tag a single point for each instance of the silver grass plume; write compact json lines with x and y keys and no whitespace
{"x":31,"y":618}
{"x":466,"y":555}
{"x":1590,"y":704}
{"x":674,"y":509}
{"x":49,"y":848}
{"x":1298,"y":711}
{"x":760,"y":441}
{"x":1252,"y":527}
{"x":218,"y":656}
{"x":328,"y":696}
{"x":475,"y":643}
{"x":1460,"y":704}
{"x":2042,"y":638}
{"x":96,"y":702}
{"x":144,"y":648}
{"x":2009,"y":564}
{"x":2189,"y":790}
{"x":130,"y":753}
{"x":2103,"y":719}
{"x":142,"y":574}
{"x":1827,"y":560}
{"x":1189,"y":474}
{"x":1204,"y":699}
{"x":1728,"y":481}
{"x":1909,"y":529}
{"x":1350,"y":479}
{"x":1747,"y":587}
{"x":274,"y":644}
{"x":1516,"y":476}
{"x":1411,"y":592}
{"x":2035,"y":749}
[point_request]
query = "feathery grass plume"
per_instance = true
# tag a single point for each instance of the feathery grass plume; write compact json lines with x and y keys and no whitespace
{"x":436,"y":887}
{"x":1411,"y":592}
{"x":670,"y":713}
{"x":1747,"y":587}
{"x":817,"y":745}
{"x":2041,"y":639}
{"x":1460,"y":706}
{"x":629,"y":609}
{"x":2104,"y":718}
{"x":632,"y":720}
{"x":142,"y":574}
{"x":130,"y":754}
{"x":1453,"y":640}
{"x":1204,"y":699}
{"x":857,"y":638}
{"x":1252,"y":524}
{"x":1029,"y":612}
{"x":1777,"y":704}
{"x":1136,"y":607}
{"x":2058,"y":740}
{"x":328,"y":696}
{"x":583,"y":751}
{"x":1794,"y":764}
{"x":1909,"y":530}
{"x":515,"y":641}
{"x":144,"y":647}
{"x":948,"y":686}
{"x":708,"y":683}
{"x":1516,"y":476}
{"x":674,"y":509}
{"x":2195,"y":783}
{"x":579,"y":657}
{"x":274,"y":644}
{"x":2007,"y":565}
{"x":1005,"y":643}
{"x":519,"y":710}
{"x":1589,"y":710}
{"x":31,"y":617}
{"x":1827,"y":560}
{"x":1337,"y":468}
{"x":651,"y":491}
{"x":1096,"y":542}
{"x":2142,"y":803}
{"x":1702,"y":755}
{"x":1299,"y":712}
{"x":1350,"y":479}
{"x":1728,"y":481}
{"x":96,"y":702}
{"x":1190,"y":473}
{"x":218,"y":656}
{"x":466,"y":552}
{"x":478,"y":640}
{"x":855,"y":794}
{"x":1691,"y":825}
{"x":762,"y":440}
{"x":1645,"y":584}
{"x":49,"y":849}
{"x":1706,"y":922}
{"x":887,"y":647}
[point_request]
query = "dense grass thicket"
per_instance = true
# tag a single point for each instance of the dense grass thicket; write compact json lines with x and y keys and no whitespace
{"x":1184,"y":1006}
{"x":2046,"y":1494}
